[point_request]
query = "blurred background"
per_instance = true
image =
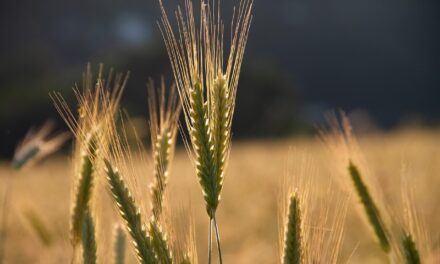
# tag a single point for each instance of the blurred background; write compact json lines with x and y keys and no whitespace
{"x":377,"y":59}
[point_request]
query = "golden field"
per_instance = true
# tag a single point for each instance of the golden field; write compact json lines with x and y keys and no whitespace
{"x":249,"y":210}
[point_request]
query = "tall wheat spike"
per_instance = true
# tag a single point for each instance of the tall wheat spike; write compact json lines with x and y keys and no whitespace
{"x":207,"y":87}
{"x":119,"y":245}
{"x":164,"y":116}
{"x":370,"y":208}
{"x":98,"y":103}
{"x":88,"y":239}
{"x":293,"y":245}
{"x":131,"y":215}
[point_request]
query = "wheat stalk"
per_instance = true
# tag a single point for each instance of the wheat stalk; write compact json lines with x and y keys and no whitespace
{"x":119,"y":246}
{"x":371,"y":210}
{"x":293,"y":245}
{"x":164,"y":116}
{"x":207,"y":87}
{"x":131,"y":215}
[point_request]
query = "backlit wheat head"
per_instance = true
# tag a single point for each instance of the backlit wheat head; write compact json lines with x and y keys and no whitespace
{"x":207,"y":85}
{"x":98,"y":102}
{"x":164,"y":116}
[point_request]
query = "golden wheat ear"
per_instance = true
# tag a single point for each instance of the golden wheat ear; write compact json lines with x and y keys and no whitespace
{"x":98,"y":102}
{"x":207,"y":86}
{"x":164,"y":111}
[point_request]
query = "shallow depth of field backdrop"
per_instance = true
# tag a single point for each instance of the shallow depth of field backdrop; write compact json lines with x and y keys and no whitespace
{"x":377,"y":60}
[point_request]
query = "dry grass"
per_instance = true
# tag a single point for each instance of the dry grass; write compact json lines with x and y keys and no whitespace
{"x":250,"y":200}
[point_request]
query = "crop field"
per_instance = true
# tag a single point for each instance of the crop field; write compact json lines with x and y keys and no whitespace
{"x":249,"y":212}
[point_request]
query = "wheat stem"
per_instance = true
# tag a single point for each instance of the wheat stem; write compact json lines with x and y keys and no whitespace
{"x":210,"y":241}
{"x":293,"y":246}
{"x":370,"y":208}
{"x":88,"y":239}
{"x":131,"y":215}
{"x":410,"y":249}
{"x":217,"y":236}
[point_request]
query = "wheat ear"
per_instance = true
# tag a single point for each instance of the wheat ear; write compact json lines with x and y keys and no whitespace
{"x":131,"y":215}
{"x":160,"y":243}
{"x":370,"y":208}
{"x":293,"y":245}
{"x":204,"y":150}
{"x":164,"y":116}
{"x":88,"y":239}
{"x":119,"y":246}
{"x":207,"y":86}
{"x":83,"y":191}
{"x":411,"y":253}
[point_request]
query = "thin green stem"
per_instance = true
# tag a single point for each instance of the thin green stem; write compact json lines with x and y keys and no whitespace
{"x":217,"y":236}
{"x":210,"y":241}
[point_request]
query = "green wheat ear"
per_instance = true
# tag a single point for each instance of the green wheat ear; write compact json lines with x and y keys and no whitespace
{"x":204,"y":150}
{"x":83,"y":191}
{"x":160,"y":244}
{"x":119,"y":246}
{"x":161,"y":160}
{"x":370,"y":208}
{"x":410,"y":250}
{"x":88,"y":239}
{"x":293,"y":248}
{"x":131,"y":215}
